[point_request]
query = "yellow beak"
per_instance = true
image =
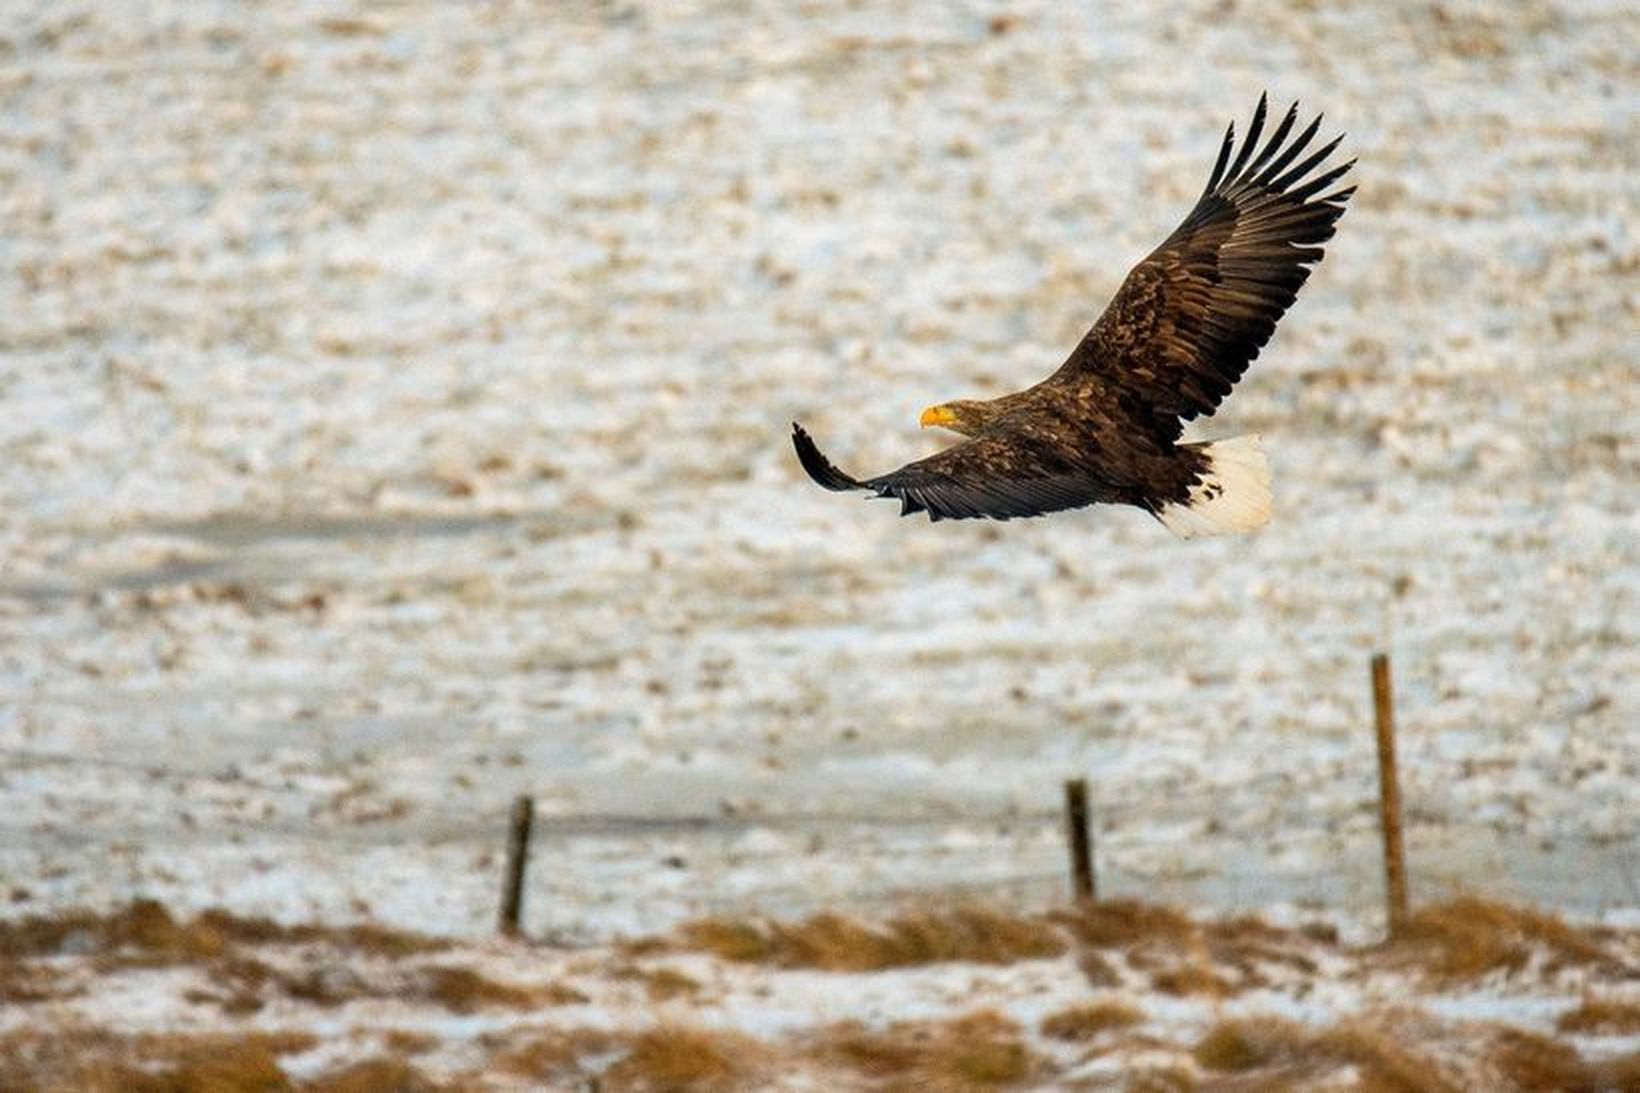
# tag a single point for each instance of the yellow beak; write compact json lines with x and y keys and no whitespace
{"x":936,"y":415}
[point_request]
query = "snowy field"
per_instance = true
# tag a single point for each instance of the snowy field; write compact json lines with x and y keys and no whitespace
{"x":397,"y":407}
{"x":1475,"y":996}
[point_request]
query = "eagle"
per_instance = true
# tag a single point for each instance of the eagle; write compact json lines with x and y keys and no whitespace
{"x":1105,"y":427}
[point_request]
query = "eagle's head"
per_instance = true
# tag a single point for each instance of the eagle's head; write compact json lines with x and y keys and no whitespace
{"x":965,"y":416}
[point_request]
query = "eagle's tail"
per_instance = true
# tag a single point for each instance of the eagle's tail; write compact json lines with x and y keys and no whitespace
{"x":1231,"y":495}
{"x":818,"y":466}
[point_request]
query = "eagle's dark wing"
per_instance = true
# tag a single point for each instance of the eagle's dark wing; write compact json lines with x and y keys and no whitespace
{"x":996,"y":476}
{"x":1190,"y":318}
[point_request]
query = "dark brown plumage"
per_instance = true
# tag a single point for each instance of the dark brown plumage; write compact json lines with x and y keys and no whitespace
{"x":1179,"y":333}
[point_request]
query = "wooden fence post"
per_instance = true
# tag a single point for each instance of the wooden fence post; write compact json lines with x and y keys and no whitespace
{"x":1389,"y":796}
{"x":1080,"y":833}
{"x":518,"y":854}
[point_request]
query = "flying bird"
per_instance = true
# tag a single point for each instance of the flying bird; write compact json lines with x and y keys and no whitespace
{"x":1181,"y":330}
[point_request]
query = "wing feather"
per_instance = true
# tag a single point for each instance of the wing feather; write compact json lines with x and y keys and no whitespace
{"x":1192,"y":316}
{"x":997,"y":477}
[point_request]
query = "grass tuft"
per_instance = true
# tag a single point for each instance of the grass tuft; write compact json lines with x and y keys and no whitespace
{"x":731,"y":939}
{"x":22,"y":982}
{"x":1125,"y":923}
{"x":1467,"y":938}
{"x":661,"y":984}
{"x":144,"y":932}
{"x":1532,"y":1062}
{"x":1602,"y":1017}
{"x":1251,"y":1043}
{"x":457,"y":989}
{"x":679,"y":1059}
{"x":1382,"y":1063}
{"x":1261,"y":1044}
{"x":1163,"y":1079}
{"x":980,"y":1051}
{"x":836,"y":942}
{"x":372,"y":1076}
{"x":462,"y":990}
{"x":1082,"y":1023}
{"x":555,"y":1056}
{"x":1190,"y":977}
{"x":90,"y":1060}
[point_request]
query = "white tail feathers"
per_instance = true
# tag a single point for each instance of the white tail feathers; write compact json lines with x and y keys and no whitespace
{"x":1232,"y":496}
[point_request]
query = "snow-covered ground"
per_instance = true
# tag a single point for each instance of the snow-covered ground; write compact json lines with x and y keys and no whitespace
{"x":1115,"y":996}
{"x":397,"y":403}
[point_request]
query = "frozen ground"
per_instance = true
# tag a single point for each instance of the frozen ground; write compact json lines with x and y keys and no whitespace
{"x":1476,"y":996}
{"x":396,"y":421}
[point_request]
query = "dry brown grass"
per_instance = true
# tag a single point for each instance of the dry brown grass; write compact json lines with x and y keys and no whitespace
{"x":1622,"y":1072}
{"x":244,"y":984}
{"x":1291,"y":1055}
{"x":1086,"y":1022}
{"x":979,"y":1051}
{"x":462,"y":990}
{"x":1532,"y":1062}
{"x":852,"y":1046}
{"x":1251,"y":946}
{"x":837,"y":942}
{"x":379,"y":1075}
{"x":1125,"y":923}
{"x":1536,"y":1064}
{"x":1383,"y":1063}
{"x":96,"y":1061}
{"x":1192,"y":977}
{"x":549,"y":1055}
{"x":1097,"y":970}
{"x":1184,"y":957}
{"x":1597,"y":1016}
{"x":365,"y":938}
{"x":1163,"y":1079}
{"x":144,"y":932}
{"x":661,"y":984}
{"x":677,"y":1059}
{"x":244,"y":964}
{"x":237,"y":984}
{"x":731,"y":939}
{"x":24,"y":982}
{"x":403,"y":1041}
{"x":1252,"y":1043}
{"x":1470,"y":937}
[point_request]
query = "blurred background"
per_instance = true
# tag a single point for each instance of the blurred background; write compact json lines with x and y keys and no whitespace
{"x":397,"y":407}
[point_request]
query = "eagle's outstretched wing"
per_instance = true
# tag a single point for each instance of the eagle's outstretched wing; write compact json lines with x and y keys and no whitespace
{"x":1190,"y":318}
{"x":999,"y":477}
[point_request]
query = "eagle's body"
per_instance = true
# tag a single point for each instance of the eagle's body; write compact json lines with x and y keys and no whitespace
{"x":1181,"y":330}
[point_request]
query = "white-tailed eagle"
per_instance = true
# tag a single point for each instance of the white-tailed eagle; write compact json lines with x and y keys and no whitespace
{"x":1179,"y":333}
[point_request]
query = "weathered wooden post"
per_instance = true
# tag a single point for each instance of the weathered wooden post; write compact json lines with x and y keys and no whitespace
{"x":1389,"y":796}
{"x":1080,"y":833}
{"x":518,"y":853}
